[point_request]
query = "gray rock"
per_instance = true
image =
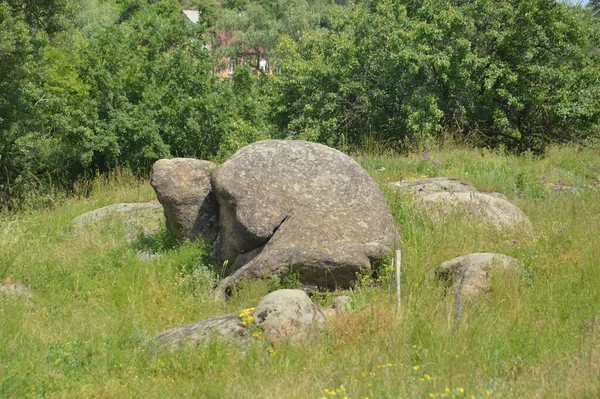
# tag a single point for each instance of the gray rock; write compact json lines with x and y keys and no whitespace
{"x":227,"y":327}
{"x":302,"y":206}
{"x":470,"y":274}
{"x":341,"y":302}
{"x":138,"y":218}
{"x":288,"y":315}
{"x":16,"y":290}
{"x":182,"y":186}
{"x":487,"y":208}
{"x":125,"y":209}
{"x":280,"y":315}
{"x":431,"y":185}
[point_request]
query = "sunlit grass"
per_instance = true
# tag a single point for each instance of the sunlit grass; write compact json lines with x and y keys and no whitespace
{"x":96,"y":304}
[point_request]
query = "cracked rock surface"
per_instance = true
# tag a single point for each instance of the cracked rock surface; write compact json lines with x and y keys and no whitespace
{"x":301,"y":206}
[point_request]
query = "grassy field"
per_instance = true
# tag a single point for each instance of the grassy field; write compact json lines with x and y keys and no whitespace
{"x":96,"y":304}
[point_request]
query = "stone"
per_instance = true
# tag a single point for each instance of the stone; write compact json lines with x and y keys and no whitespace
{"x":470,"y":274}
{"x":138,"y":218}
{"x":124,"y":209}
{"x":485,"y":207}
{"x":16,"y":290}
{"x":431,"y":185}
{"x":288,"y":315}
{"x":280,"y":316}
{"x":183,"y":187}
{"x":301,"y":207}
{"x":341,"y":302}
{"x":227,"y":327}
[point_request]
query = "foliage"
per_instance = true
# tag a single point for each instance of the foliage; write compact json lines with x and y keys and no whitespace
{"x":96,"y":304}
{"x":518,"y":73}
{"x":91,"y":85}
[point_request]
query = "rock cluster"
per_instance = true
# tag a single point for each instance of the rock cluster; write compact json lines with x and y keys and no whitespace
{"x":283,"y":206}
{"x":280,"y":316}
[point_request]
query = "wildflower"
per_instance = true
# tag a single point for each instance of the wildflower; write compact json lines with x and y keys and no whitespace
{"x":489,"y":392}
{"x":461,"y":390}
{"x":416,"y":367}
{"x":425,"y":156}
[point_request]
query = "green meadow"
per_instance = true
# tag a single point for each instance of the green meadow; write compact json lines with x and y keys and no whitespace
{"x":96,"y":303}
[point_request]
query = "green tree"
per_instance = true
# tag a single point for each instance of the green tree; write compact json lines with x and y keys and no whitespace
{"x":519,"y":73}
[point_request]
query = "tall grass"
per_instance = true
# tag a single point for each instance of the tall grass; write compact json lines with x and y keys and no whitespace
{"x":84,"y":332}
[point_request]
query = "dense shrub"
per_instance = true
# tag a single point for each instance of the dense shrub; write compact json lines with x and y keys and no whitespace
{"x":521,"y":73}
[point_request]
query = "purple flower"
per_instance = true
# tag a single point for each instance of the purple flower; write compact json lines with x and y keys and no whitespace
{"x":514,"y":241}
{"x":425,"y":156}
{"x":543,"y":178}
{"x":436,"y":164}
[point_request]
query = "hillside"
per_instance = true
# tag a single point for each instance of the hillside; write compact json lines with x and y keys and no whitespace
{"x":94,"y":299}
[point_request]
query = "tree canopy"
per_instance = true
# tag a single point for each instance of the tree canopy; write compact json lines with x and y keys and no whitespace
{"x":90,"y":85}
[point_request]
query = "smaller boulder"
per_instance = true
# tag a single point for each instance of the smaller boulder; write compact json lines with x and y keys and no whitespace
{"x":431,"y":185}
{"x":487,"y":208}
{"x":227,"y":327}
{"x":16,"y":290}
{"x":288,"y":315}
{"x":138,"y":218}
{"x":127,"y":210}
{"x":470,"y":274}
{"x":281,"y":315}
{"x":340,"y":304}
{"x":183,"y":187}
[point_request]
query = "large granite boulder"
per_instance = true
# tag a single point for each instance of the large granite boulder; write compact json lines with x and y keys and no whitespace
{"x":483,"y":207}
{"x":182,"y":186}
{"x":470,"y":274}
{"x":299,"y":206}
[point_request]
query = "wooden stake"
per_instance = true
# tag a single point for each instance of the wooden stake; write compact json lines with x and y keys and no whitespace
{"x":398,"y":268}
